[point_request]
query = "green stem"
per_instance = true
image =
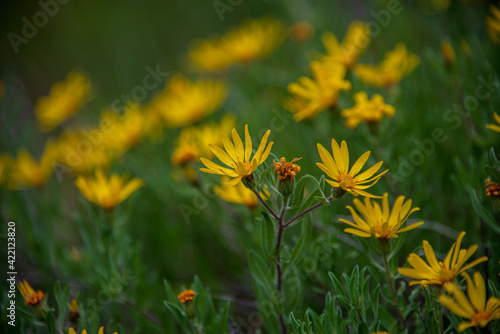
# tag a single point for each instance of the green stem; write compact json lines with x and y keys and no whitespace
{"x":317,"y":205}
{"x":393,"y":291}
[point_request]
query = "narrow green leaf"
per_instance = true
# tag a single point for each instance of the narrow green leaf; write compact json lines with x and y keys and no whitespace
{"x":484,"y":213}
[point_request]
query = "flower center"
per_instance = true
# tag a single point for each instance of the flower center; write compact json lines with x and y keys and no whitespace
{"x":480,"y":317}
{"x":346,"y":181}
{"x":445,"y":274}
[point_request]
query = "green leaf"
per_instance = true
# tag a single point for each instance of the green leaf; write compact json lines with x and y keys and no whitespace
{"x":484,"y":213}
{"x":493,"y":172}
{"x":260,"y":271}
{"x":267,"y":235}
{"x":305,"y":236}
{"x":336,"y":285}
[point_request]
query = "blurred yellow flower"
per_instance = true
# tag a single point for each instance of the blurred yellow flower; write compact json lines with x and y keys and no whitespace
{"x":101,"y":331}
{"x":366,"y":110}
{"x":353,"y":45}
{"x":301,"y":31}
{"x":337,"y":167}
{"x":397,"y":64}
{"x":252,"y":40}
{"x":448,"y":53}
{"x":237,"y":157}
{"x":493,"y":24}
{"x":495,"y":127}
{"x":476,"y":309}
{"x":66,"y":99}
{"x":380,"y":222}
{"x":237,"y":194}
{"x":439,"y":273}
{"x":107,"y":192}
{"x":492,"y":189}
{"x":184,"y":102}
{"x":31,"y":297}
{"x":311,"y":96}
{"x":74,"y":311}
{"x":186,"y":296}
{"x":25,"y":172}
{"x":5,"y":162}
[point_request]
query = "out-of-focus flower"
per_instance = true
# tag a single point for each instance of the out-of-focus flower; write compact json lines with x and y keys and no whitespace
{"x":25,"y":172}
{"x":101,"y":331}
{"x":185,"y":102}
{"x":301,"y":31}
{"x":107,"y":192}
{"x":380,"y":222}
{"x":448,"y":53}
{"x":476,"y":309}
{"x":252,"y":40}
{"x":65,"y":99}
{"x":238,"y":194}
{"x":311,"y":96}
{"x":397,"y":64}
{"x":353,"y":45}
{"x":437,"y":272}
{"x":31,"y":297}
{"x":366,"y":110}
{"x":337,"y":167}
{"x":237,"y":157}
{"x":495,"y":127}
{"x":5,"y":162}
{"x":186,"y":296}
{"x":493,"y":24}
{"x":74,"y":311}
{"x":492,"y":189}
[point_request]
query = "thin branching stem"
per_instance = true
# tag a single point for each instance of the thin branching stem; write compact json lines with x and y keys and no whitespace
{"x":265,"y":204}
{"x":317,"y":205}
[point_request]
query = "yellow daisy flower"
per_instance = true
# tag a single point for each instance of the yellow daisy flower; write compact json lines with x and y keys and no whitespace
{"x":366,"y":110}
{"x":74,"y":311}
{"x":101,"y":331}
{"x":107,"y":192}
{"x":31,"y":297}
{"x":476,"y":309}
{"x":380,"y":222}
{"x":337,"y":167}
{"x":238,"y":194}
{"x":437,"y":272}
{"x":448,"y":53}
{"x":237,"y":157}
{"x":353,"y":46}
{"x":493,"y":24}
{"x":311,"y":96}
{"x":66,"y":99}
{"x":495,"y":127}
{"x":397,"y":64}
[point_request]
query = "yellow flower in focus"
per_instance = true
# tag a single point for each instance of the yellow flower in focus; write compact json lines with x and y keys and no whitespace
{"x":476,"y":309}
{"x":25,"y":172}
{"x":366,"y":110}
{"x":495,"y":127}
{"x":186,"y":296}
{"x":31,"y":297}
{"x":448,"y":53}
{"x":337,"y":167}
{"x":107,"y":192}
{"x":237,"y":157}
{"x":101,"y":331}
{"x":185,"y":102}
{"x":397,"y":64}
{"x":311,"y":96}
{"x":252,"y":40}
{"x":493,"y":24}
{"x":353,"y":46}
{"x":5,"y":162}
{"x":437,"y":272}
{"x":380,"y":222}
{"x":237,"y":194}
{"x":66,"y":99}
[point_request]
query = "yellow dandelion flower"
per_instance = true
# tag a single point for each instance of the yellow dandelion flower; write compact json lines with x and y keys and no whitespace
{"x":84,"y":331}
{"x":301,"y":31}
{"x":337,"y":167}
{"x":366,"y":110}
{"x":495,"y":127}
{"x":5,"y":162}
{"x":238,"y":194}
{"x":438,"y":272}
{"x":311,"y":96}
{"x":493,"y":24}
{"x":397,"y":64}
{"x":352,"y":47}
{"x":380,"y":222}
{"x":66,"y":99}
{"x":492,"y":189}
{"x":448,"y":53}
{"x":107,"y":192}
{"x":475,"y":308}
{"x":31,"y":297}
{"x":186,"y":296}
{"x":286,"y":170}
{"x":25,"y":172}
{"x":237,"y":157}
{"x":185,"y":102}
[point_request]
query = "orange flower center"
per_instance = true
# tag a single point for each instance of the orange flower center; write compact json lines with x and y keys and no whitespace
{"x":34,"y":298}
{"x":286,"y":169}
{"x":492,"y":189}
{"x":480,"y":317}
{"x":445,"y":274}
{"x":346,"y":181}
{"x":186,"y":296}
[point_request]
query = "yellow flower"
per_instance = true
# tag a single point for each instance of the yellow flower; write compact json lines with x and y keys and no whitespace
{"x":492,"y":189}
{"x":74,"y":311}
{"x":66,"y":99}
{"x":495,"y":127}
{"x":107,"y":192}
{"x":353,"y":46}
{"x":31,"y":297}
{"x":493,"y":24}
{"x":448,"y":53}
{"x":237,"y":157}
{"x":475,"y":308}
{"x":185,"y":102}
{"x":25,"y":172}
{"x":439,"y":273}
{"x":252,"y":40}
{"x":311,"y":96}
{"x":286,"y":169}
{"x":238,"y":194}
{"x":5,"y":162}
{"x":186,"y":296}
{"x":101,"y":331}
{"x":367,"y":110}
{"x":380,"y":222}
{"x":397,"y":64}
{"x":337,"y":167}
